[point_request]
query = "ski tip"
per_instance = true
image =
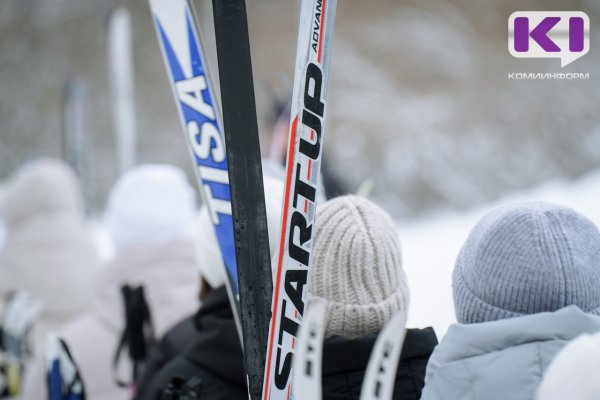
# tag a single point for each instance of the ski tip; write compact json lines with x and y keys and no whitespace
{"x":379,"y":380}
{"x":307,"y":366}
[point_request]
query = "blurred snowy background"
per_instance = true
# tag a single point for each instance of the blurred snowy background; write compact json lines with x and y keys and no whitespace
{"x":420,"y":100}
{"x":420,"y":104}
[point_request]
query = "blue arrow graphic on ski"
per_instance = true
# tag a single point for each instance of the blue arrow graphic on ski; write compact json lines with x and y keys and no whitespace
{"x":219,"y":190}
{"x":183,"y":55}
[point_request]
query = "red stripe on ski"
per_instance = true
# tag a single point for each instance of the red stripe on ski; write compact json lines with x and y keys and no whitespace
{"x":308,"y":179}
{"x":294,"y":339}
{"x":321,"y":31}
{"x":288,"y":181}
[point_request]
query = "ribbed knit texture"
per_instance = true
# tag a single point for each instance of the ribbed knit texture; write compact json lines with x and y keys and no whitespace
{"x":357,"y":267}
{"x":527,"y":258}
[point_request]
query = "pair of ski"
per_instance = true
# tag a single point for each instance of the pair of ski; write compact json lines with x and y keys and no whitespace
{"x":380,"y":376}
{"x":228,"y":165}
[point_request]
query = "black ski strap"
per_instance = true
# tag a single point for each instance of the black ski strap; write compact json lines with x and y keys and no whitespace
{"x":138,"y":333}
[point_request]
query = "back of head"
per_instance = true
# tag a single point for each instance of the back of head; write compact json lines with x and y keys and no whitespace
{"x":573,"y":372}
{"x":208,"y":252}
{"x":151,"y":202}
{"x":44,"y":187}
{"x":357,"y":267}
{"x":49,"y":251}
{"x":527,"y":258}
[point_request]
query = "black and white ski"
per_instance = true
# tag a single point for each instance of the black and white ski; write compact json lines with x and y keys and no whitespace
{"x":246,"y":184}
{"x":121,"y":78}
{"x":308,"y":358}
{"x":187,"y":69}
{"x":309,"y":101}
{"x":380,"y":377}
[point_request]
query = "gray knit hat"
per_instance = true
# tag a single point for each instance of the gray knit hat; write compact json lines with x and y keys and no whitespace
{"x":527,"y":258}
{"x":357,"y":267}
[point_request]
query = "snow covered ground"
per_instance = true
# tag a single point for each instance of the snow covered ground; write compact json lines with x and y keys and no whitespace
{"x":430,"y":245}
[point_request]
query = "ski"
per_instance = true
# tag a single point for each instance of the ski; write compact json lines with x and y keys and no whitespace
{"x":380,"y":377}
{"x":182,"y":52}
{"x":120,"y":66}
{"x":308,"y":359}
{"x":75,"y":146}
{"x":313,"y":59}
{"x":246,"y":184}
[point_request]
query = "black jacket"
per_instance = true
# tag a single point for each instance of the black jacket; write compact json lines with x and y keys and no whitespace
{"x":172,"y":344}
{"x":345,"y":362}
{"x":213,"y":362}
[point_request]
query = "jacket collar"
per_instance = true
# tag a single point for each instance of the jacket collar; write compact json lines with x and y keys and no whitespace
{"x":471,"y":340}
{"x":342,"y":354}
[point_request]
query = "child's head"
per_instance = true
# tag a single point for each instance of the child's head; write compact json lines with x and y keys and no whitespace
{"x":357,"y":267}
{"x":527,"y":258}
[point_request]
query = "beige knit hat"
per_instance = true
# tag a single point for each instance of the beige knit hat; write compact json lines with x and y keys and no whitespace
{"x":357,"y":267}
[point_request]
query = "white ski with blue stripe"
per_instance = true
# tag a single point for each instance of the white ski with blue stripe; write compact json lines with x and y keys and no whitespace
{"x":186,"y":65}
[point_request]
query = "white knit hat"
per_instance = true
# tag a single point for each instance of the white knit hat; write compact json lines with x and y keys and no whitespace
{"x":357,"y":267}
{"x":42,"y":187}
{"x":208,"y":252}
{"x":152,"y":202}
{"x":573,"y":374}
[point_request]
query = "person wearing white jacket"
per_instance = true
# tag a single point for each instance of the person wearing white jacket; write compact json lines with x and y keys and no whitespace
{"x":150,"y":217}
{"x":214,"y":352}
{"x":49,"y":252}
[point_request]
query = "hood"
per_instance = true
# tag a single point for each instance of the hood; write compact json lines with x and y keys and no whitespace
{"x":48,"y":250}
{"x":341,"y":354}
{"x":465,"y":341}
{"x":41,"y":188}
{"x":345,"y":362}
{"x":53,"y":258}
{"x":168,"y":272}
{"x":150,"y":203}
{"x":216,"y":347}
{"x":503,"y":359}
